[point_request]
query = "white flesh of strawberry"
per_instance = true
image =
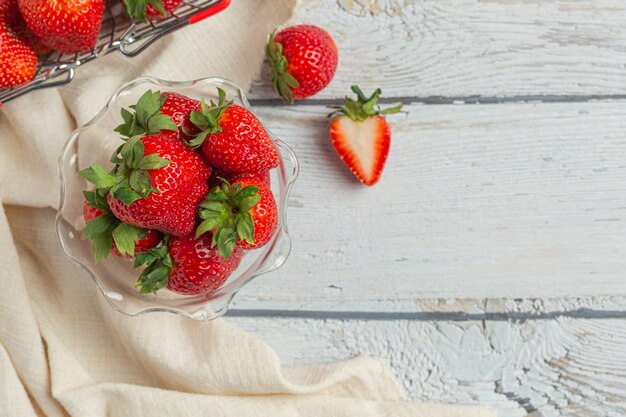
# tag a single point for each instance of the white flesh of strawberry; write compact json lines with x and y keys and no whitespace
{"x":365,"y":140}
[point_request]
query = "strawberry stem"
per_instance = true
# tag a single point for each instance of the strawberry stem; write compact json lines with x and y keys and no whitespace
{"x":208,"y":119}
{"x":105,"y":229}
{"x":363,"y":107}
{"x":225,"y":211}
{"x":136,"y":9}
{"x":158,"y":266}
{"x":282,"y":81}
{"x":146,"y":117}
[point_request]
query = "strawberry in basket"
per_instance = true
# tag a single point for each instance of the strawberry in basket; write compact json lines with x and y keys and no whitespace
{"x":150,"y":9}
{"x":67,"y":26}
{"x":18,"y":61}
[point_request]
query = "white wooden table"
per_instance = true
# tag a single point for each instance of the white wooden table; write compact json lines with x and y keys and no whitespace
{"x":489,"y":263}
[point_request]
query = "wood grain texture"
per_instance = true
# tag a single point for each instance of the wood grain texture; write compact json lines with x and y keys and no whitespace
{"x":547,"y":368}
{"x":476,"y":201}
{"x":473,"y":47}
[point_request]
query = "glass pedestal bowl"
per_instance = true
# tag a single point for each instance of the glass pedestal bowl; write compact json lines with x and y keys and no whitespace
{"x":115,"y":277}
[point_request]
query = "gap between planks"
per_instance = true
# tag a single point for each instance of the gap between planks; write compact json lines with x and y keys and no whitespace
{"x":447,"y":100}
{"x":454,"y":316}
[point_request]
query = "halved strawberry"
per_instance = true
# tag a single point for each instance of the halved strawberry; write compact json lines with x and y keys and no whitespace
{"x":361,"y":135}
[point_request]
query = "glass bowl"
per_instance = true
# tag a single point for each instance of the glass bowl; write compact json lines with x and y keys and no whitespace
{"x":115,"y":277}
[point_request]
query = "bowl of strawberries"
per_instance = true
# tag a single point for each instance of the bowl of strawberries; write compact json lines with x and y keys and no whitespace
{"x":174,"y":196}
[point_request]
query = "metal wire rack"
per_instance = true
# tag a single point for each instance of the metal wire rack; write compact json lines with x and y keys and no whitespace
{"x":117,"y":33}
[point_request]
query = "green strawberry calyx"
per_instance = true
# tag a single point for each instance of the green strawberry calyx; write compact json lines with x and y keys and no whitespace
{"x":105,"y":229}
{"x":158,"y":266}
{"x":146,"y":117}
{"x":136,"y":9}
{"x":226,"y":212}
{"x":129,"y":180}
{"x":282,"y":81}
{"x":208,"y":119}
{"x":363,"y":107}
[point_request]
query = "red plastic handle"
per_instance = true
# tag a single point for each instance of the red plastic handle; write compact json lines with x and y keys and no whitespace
{"x":209,"y":12}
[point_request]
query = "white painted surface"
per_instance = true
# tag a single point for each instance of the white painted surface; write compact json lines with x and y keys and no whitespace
{"x":484,"y":212}
{"x":474,"y":47}
{"x":476,"y":201}
{"x":547,"y":368}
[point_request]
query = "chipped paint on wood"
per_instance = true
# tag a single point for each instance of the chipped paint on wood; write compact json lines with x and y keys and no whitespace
{"x":548,"y":368}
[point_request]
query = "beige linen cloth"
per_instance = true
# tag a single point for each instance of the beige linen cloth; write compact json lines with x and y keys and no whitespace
{"x":63,"y":351}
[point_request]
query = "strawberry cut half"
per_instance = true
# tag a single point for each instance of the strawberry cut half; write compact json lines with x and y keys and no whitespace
{"x":361,"y":135}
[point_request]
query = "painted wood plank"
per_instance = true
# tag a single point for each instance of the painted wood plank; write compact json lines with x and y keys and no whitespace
{"x":547,"y":368}
{"x":473,"y":47}
{"x":476,"y":201}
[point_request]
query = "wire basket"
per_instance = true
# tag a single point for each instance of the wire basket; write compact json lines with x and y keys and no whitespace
{"x":117,"y":33}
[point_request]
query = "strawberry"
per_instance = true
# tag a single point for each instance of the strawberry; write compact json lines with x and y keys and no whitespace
{"x":12,"y":18}
{"x":150,"y":9}
{"x":215,"y":180}
{"x":361,"y":135}
{"x":303,"y":59}
{"x":241,"y":214}
{"x":157,"y":181}
{"x":108,"y":234}
{"x":147,"y":116}
{"x":18,"y":61}
{"x":186,"y":265}
{"x":67,"y":26}
{"x":232,"y":138}
{"x":165,"y":194}
{"x":178,"y":108}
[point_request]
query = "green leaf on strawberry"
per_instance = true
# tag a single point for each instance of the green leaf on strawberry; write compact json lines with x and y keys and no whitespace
{"x":207,"y":120}
{"x":147,"y":117}
{"x":225,"y":211}
{"x":129,"y":180}
{"x":363,"y":107}
{"x":282,"y":80}
{"x":105,"y":229}
{"x":158,"y":266}
{"x":136,"y":9}
{"x":98,"y":199}
{"x":96,"y":175}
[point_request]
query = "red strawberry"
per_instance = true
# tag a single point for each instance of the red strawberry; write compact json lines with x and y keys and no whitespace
{"x":147,"y":239}
{"x":361,"y":135}
{"x":68,"y":26}
{"x":157,"y":181}
{"x":150,"y":9}
{"x":180,"y":186}
{"x":179,"y":107}
{"x":304,"y":59}
{"x":198,"y":268}
{"x":241,"y":214}
{"x":12,"y":18}
{"x":232,"y":138}
{"x":18,"y":61}
{"x":186,"y":265}
{"x":215,"y":180}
